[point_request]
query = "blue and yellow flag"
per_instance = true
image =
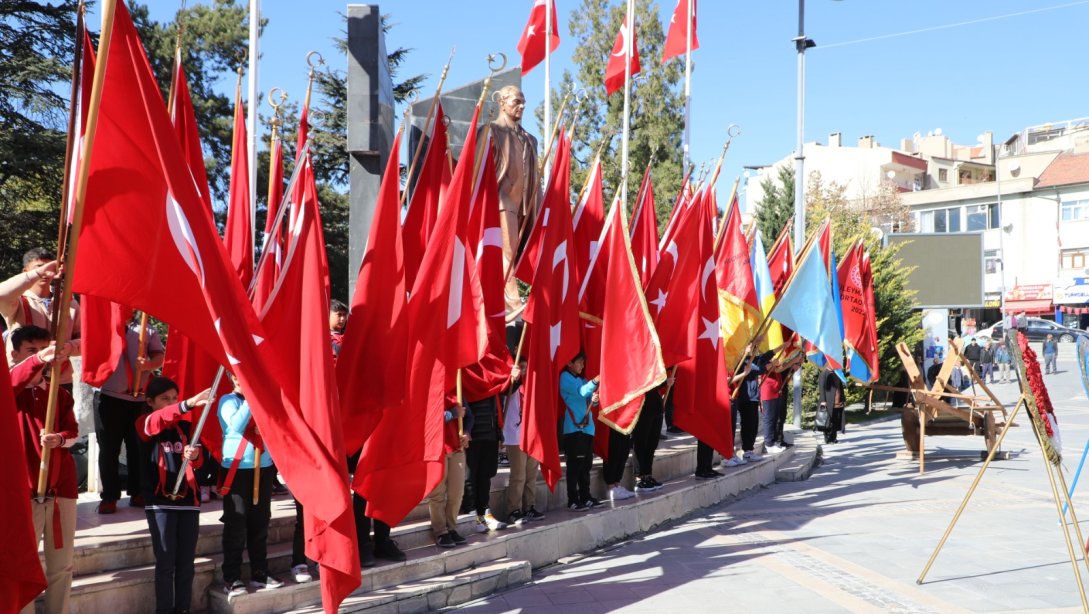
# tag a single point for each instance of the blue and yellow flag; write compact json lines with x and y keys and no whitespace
{"x":808,"y":306}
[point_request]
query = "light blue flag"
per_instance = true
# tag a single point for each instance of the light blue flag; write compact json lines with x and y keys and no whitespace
{"x":809,"y":307}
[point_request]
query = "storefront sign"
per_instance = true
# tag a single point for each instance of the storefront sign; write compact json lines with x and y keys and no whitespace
{"x":1033,"y":292}
{"x":1073,"y":292}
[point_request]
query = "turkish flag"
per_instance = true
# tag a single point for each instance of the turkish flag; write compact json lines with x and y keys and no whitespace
{"x":701,"y":392}
{"x":680,"y":204}
{"x":491,"y":375}
{"x":677,"y":39}
{"x":141,"y":197}
{"x":626,"y":331}
{"x":403,"y":459}
{"x":644,"y":231}
{"x":238,"y":233}
{"x":368,"y":380}
{"x":83,"y":94}
{"x":552,"y":340}
{"x":556,"y":193}
{"x":297,"y":324}
{"x":272,"y":239}
{"x":532,"y":43}
{"x":102,"y":342}
{"x":21,"y":577}
{"x":614,"y":70}
{"x":589,"y":218}
{"x":185,"y":125}
{"x":781,"y":261}
{"x":423,"y":208}
{"x":672,"y":292}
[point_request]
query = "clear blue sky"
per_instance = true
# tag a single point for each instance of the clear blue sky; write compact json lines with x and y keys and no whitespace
{"x":1017,"y":63}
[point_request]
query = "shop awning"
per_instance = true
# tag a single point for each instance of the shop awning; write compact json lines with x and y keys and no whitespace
{"x":1028,"y":307}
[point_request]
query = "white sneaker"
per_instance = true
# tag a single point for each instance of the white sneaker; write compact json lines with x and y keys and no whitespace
{"x":265,"y":583}
{"x":301,"y":573}
{"x":619,"y":493}
{"x":493,"y":523}
{"x":736,"y":461}
{"x":479,"y":526}
{"x":773,"y":449}
{"x":751,"y":456}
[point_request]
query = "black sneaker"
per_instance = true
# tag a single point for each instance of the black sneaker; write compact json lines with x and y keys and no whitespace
{"x":387,"y":549}
{"x":366,"y":555}
{"x":655,"y":482}
{"x":445,"y":541}
{"x":278,"y":488}
{"x":458,"y":539}
{"x":578,"y":507}
{"x":674,"y":430}
{"x":533,"y":514}
{"x":594,"y":502}
{"x":516,"y":518}
{"x":234,"y":588}
{"x":707,"y":474}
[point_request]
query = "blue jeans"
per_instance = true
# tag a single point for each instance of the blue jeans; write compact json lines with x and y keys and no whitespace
{"x":174,"y":541}
{"x":1049,"y":362}
{"x":772,"y":410}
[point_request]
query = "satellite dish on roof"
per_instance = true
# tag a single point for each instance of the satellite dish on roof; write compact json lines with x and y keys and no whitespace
{"x":937,"y":132}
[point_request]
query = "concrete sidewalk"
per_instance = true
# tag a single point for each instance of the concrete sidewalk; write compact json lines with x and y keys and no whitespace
{"x":854,"y":537}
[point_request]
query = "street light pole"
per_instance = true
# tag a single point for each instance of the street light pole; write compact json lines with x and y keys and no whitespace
{"x":801,"y":43}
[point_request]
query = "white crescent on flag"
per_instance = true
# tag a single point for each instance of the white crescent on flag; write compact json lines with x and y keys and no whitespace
{"x":457,"y":283}
{"x":624,"y":38}
{"x":184,"y":241}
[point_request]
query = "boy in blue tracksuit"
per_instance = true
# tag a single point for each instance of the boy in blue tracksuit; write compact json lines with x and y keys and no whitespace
{"x":578,"y":432}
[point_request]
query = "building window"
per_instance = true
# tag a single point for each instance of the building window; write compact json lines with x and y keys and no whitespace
{"x":1073,"y":259}
{"x":982,"y":217}
{"x":1075,"y":210}
{"x":991,"y":262}
{"x":943,"y":175}
{"x":940,"y":220}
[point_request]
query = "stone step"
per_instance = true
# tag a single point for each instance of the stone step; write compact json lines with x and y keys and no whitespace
{"x":807,"y":453}
{"x":560,"y":535}
{"x":429,"y":594}
{"x":121,"y":541}
{"x":115,"y":553}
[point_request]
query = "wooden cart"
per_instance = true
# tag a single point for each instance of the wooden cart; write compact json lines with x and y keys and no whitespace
{"x":944,"y":410}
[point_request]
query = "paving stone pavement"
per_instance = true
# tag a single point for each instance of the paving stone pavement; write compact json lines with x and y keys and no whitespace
{"x":855,"y":536}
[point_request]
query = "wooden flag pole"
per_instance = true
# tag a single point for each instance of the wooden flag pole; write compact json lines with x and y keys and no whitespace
{"x":109,"y":9}
{"x":461,"y":403}
{"x":69,"y":150}
{"x":427,"y":125}
{"x":554,"y":133}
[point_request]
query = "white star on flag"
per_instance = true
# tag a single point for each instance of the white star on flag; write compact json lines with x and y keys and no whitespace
{"x":711,"y":331}
{"x":660,"y":301}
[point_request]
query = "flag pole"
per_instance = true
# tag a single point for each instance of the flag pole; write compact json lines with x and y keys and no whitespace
{"x":275,"y":136}
{"x":725,"y":214}
{"x":552,"y":135}
{"x":688,"y":84}
{"x":548,"y":80}
{"x":109,"y":8}
{"x":626,"y":141}
{"x":427,"y":125}
{"x":69,"y":150}
{"x":310,"y":77}
{"x":251,"y":116}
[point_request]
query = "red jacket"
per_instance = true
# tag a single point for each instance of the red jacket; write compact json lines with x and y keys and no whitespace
{"x":31,"y":404}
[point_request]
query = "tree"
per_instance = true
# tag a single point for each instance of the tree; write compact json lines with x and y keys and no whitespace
{"x":776,"y":207}
{"x":36,"y":47}
{"x":214,"y":44}
{"x":657,"y":116}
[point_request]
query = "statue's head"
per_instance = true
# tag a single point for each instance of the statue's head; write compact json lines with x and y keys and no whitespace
{"x":512,"y":103}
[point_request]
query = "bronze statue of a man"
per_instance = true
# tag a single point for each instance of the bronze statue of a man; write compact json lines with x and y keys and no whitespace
{"x":519,"y":182}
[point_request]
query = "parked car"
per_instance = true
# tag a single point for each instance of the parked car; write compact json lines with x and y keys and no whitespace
{"x":1037,"y":329}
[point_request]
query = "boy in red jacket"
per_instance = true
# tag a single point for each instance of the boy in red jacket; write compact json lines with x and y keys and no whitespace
{"x":55,"y":514}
